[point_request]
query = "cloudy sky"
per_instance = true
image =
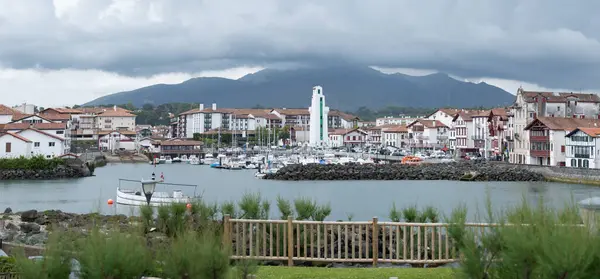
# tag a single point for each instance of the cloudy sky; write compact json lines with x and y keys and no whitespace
{"x":63,"y":52}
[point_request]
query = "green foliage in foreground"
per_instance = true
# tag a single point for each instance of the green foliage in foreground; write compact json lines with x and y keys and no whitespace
{"x":193,"y":252}
{"x":267,"y":272}
{"x":33,"y":163}
{"x":529,"y":242}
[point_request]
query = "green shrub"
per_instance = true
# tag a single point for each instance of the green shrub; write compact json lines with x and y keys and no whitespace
{"x":56,"y":262}
{"x":529,"y":242}
{"x":195,"y":255}
{"x":113,"y":255}
{"x":252,"y":206}
{"x":147,"y":217}
{"x":7,"y":264}
{"x":285,"y":208}
{"x":32,"y":163}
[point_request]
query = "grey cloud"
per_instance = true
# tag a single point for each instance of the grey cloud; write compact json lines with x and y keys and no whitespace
{"x":545,"y":42}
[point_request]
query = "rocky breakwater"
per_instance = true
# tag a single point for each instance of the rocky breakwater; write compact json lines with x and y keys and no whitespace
{"x":72,"y":168}
{"x":32,"y":227}
{"x":468,"y":171}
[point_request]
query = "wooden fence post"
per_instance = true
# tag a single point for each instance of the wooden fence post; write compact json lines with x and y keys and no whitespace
{"x":375,"y":241}
{"x":290,"y":240}
{"x":227,"y":232}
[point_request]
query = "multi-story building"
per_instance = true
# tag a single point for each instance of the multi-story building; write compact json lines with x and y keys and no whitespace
{"x":428,"y":134}
{"x":530,"y":105}
{"x":205,"y":120}
{"x":500,"y":135}
{"x":546,"y":138}
{"x":374,"y":135}
{"x":400,"y":120}
{"x":464,"y":128}
{"x":395,"y":135}
{"x":582,"y":148}
{"x":481,"y":133}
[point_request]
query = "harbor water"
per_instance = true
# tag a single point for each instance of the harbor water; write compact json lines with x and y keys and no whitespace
{"x":360,"y":199}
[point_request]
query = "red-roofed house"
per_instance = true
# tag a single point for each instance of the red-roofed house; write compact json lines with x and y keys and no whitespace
{"x":13,"y":145}
{"x":427,"y":134}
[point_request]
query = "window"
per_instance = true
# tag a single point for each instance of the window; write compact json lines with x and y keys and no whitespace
{"x":60,"y":132}
{"x":36,"y":144}
{"x":8,"y":147}
{"x":573,"y":163}
{"x":586,"y":164}
{"x":48,"y":156}
{"x":562,"y":148}
{"x":51,"y":144}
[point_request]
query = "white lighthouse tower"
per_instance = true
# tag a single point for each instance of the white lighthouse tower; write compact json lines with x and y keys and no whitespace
{"x":318,"y":118}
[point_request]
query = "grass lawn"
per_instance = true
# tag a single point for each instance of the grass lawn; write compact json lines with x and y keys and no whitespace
{"x":270,"y":272}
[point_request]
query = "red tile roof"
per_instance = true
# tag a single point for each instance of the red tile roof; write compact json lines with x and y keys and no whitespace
{"x":179,"y":142}
{"x":4,"y":110}
{"x":17,"y":136}
{"x":40,"y":126}
{"x":564,"y":124}
{"x":43,"y":133}
{"x":592,"y":132}
{"x":395,"y":129}
{"x":558,"y":97}
{"x":429,"y":123}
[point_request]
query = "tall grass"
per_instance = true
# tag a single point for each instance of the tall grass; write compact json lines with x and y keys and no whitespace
{"x":190,"y":251}
{"x":529,"y":242}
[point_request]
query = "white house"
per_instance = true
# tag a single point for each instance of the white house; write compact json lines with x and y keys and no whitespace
{"x":44,"y":143}
{"x":355,"y":137}
{"x":59,"y":130}
{"x":117,"y":140}
{"x":425,"y":133}
{"x":583,"y":148}
{"x":14,"y":145}
{"x":336,"y":137}
{"x":395,"y":135}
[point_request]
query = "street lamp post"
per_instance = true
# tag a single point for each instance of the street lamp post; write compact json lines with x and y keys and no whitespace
{"x":148,"y":187}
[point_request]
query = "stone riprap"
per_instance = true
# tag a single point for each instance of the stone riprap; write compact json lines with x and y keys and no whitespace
{"x":31,"y":227}
{"x":63,"y":171}
{"x":467,"y":171}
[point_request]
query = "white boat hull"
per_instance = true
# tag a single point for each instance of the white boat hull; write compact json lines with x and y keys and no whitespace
{"x":128,"y":197}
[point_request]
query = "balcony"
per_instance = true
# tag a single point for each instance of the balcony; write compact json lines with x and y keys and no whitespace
{"x":539,"y":138}
{"x":587,"y":156}
{"x":477,"y":137}
{"x":442,"y":137}
{"x":539,"y":153}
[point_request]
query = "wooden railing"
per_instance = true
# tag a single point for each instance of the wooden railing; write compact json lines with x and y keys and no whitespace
{"x":345,"y":242}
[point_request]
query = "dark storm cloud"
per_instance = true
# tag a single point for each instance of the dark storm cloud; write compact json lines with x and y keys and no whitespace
{"x":548,"y":42}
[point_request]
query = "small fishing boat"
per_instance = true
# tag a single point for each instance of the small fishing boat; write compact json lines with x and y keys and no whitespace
{"x":176,"y":160}
{"x":168,"y":160}
{"x":137,"y":197}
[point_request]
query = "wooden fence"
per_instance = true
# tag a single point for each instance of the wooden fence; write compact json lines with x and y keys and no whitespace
{"x":345,"y":242}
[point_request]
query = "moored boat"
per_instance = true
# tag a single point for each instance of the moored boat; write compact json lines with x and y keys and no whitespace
{"x":137,"y":197}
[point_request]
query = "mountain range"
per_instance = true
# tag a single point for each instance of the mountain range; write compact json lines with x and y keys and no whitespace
{"x":345,"y":88}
